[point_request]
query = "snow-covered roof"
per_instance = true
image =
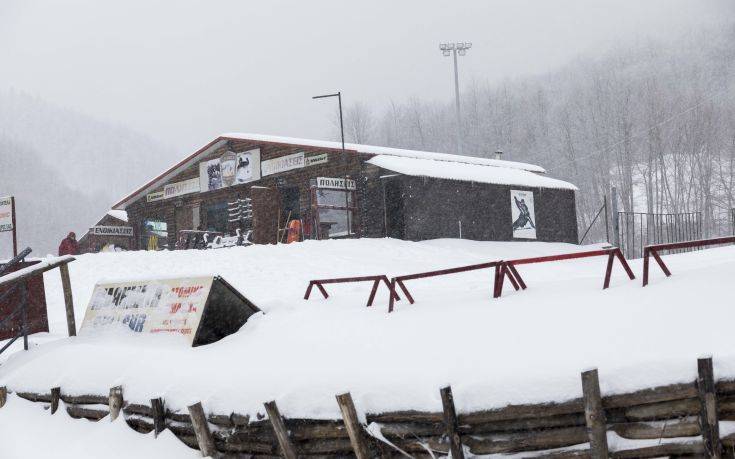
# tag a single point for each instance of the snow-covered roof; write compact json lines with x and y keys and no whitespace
{"x":119,"y":214}
{"x":325,"y":144}
{"x":467,"y":172}
{"x":375,"y":150}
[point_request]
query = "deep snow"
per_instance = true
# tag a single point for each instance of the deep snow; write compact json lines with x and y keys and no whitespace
{"x":524,"y":347}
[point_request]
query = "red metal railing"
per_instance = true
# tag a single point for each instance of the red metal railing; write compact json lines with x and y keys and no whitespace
{"x":319,"y":283}
{"x":509,"y":266}
{"x":399,"y":280}
{"x":652,"y":251}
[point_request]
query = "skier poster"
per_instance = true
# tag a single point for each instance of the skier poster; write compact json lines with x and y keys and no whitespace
{"x":523,"y":214}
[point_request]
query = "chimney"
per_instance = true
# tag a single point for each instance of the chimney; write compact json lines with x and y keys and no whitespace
{"x":498,"y":154}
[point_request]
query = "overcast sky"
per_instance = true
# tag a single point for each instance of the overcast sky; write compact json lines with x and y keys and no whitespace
{"x":184,"y":71}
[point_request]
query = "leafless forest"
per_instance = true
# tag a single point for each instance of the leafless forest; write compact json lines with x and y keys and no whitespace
{"x":655,"y":120}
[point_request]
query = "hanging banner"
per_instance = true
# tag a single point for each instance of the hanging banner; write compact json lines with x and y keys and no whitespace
{"x":335,"y":183}
{"x":6,"y":214}
{"x":180,"y":188}
{"x":282,"y":164}
{"x":229,"y":169}
{"x":523,"y":214}
{"x":111,"y":231}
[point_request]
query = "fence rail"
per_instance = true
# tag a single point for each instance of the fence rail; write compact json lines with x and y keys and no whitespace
{"x":639,"y":229}
{"x":674,"y":420}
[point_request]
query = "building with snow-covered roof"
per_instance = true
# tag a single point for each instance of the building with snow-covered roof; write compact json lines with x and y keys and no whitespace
{"x":268,"y":183}
{"x":111,"y":232}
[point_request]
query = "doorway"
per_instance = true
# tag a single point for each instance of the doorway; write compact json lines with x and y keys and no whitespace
{"x":290,"y":205}
{"x":394,"y":209}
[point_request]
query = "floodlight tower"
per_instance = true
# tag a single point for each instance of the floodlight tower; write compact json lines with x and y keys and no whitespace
{"x":461,"y":49}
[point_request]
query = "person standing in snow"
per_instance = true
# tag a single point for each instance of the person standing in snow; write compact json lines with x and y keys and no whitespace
{"x":69,"y":245}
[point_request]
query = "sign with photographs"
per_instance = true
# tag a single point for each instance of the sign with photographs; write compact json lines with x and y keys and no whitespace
{"x":523,"y":214}
{"x":229,"y":169}
{"x":153,"y":306}
{"x":6,"y":214}
{"x":111,"y":231}
{"x":153,"y":197}
{"x":282,"y":164}
{"x":317,"y":159}
{"x":181,"y":188}
{"x":335,"y":183}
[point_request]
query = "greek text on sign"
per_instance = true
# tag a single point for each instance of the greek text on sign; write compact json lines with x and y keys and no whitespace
{"x":180,"y":188}
{"x":153,"y":197}
{"x":317,"y":159}
{"x":282,"y":164}
{"x":6,"y":214}
{"x":335,"y":183}
{"x":111,"y":231}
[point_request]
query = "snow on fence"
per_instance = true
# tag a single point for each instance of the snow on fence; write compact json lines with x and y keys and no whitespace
{"x":685,"y":419}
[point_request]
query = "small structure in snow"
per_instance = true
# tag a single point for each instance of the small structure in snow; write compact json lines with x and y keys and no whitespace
{"x":111,"y":233}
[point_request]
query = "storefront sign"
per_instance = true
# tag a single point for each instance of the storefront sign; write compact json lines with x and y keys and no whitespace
{"x":335,"y":183}
{"x":154,"y":306}
{"x":318,"y":159}
{"x":6,"y":214}
{"x":180,"y":188}
{"x":111,"y":231}
{"x":282,"y":164}
{"x":230,"y":169}
{"x":523,"y":214}
{"x":153,"y":197}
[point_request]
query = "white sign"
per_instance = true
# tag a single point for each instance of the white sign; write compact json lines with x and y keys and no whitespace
{"x":336,"y":183}
{"x":111,"y":231}
{"x":180,"y":188}
{"x":523,"y":214}
{"x":318,"y":159}
{"x":158,"y":306}
{"x":6,"y":214}
{"x":153,"y":197}
{"x":282,"y":164}
{"x":230,"y":169}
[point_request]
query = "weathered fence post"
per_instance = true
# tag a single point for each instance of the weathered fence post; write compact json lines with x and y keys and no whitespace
{"x":115,"y":402}
{"x":3,"y":396}
{"x":450,"y":423}
{"x":279,"y":427}
{"x":201,"y":429}
{"x":55,"y":397}
{"x":708,"y":408}
{"x":594,"y":415}
{"x":615,"y":217}
{"x":68,"y":300}
{"x":354,"y":429}
{"x":159,"y":415}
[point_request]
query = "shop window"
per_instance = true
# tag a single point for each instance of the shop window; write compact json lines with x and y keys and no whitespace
{"x":154,"y":235}
{"x":217,"y":216}
{"x":334,"y":211}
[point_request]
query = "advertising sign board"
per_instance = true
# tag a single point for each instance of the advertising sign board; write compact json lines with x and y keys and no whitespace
{"x":282,"y":164}
{"x":523,"y":214}
{"x":229,"y":169}
{"x":180,"y":188}
{"x":6,"y":214}
{"x":111,"y":231}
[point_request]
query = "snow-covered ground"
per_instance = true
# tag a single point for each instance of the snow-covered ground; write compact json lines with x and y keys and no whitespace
{"x":527,"y":346}
{"x":28,"y":431}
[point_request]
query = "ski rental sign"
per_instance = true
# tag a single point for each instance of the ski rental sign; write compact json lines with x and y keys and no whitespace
{"x":151,"y":306}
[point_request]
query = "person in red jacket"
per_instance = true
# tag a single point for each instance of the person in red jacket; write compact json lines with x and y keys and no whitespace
{"x":69,"y":246}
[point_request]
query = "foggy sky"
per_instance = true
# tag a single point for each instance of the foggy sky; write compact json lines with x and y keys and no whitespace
{"x":184,"y":71}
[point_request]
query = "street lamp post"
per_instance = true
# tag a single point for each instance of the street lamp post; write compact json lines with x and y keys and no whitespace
{"x":454,"y":49}
{"x":338,"y":95}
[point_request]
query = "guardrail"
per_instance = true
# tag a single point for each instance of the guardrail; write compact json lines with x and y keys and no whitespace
{"x":652,"y":251}
{"x":319,"y":283}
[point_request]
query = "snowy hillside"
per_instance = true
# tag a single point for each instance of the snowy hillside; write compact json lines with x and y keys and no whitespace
{"x":527,"y":346}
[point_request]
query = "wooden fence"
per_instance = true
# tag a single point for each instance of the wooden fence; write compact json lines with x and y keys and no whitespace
{"x":678,"y":420}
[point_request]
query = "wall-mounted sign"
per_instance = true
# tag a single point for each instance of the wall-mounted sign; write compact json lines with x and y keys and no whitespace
{"x":180,"y":188}
{"x":6,"y":214}
{"x":523,"y":214}
{"x":153,"y":197}
{"x":282,"y":164}
{"x":335,"y":183}
{"x":111,"y":231}
{"x":230,"y":169}
{"x":170,"y":306}
{"x":318,"y":159}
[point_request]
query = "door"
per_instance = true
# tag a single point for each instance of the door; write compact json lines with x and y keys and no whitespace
{"x":290,"y":206}
{"x":394,"y":210}
{"x":266,"y":211}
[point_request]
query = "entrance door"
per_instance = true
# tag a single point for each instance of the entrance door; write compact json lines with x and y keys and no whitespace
{"x":394,"y":213}
{"x":266,"y":211}
{"x":290,"y":207}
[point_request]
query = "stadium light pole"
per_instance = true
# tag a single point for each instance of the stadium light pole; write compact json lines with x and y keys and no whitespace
{"x":338,"y":95}
{"x":448,"y":49}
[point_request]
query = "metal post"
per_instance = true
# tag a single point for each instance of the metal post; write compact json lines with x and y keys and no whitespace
{"x":607,"y":223}
{"x":615,"y":217}
{"x":15,"y":231}
{"x":24,"y":312}
{"x":456,"y":103}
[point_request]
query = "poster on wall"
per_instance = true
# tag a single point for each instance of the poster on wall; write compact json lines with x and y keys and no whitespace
{"x":523,"y":214}
{"x":229,"y":169}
